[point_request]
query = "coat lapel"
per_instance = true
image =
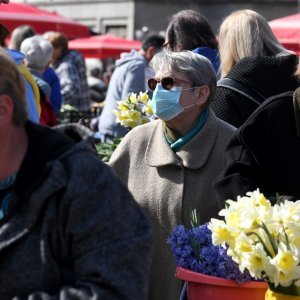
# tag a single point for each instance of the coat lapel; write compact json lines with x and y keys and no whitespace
{"x":192,"y":155}
{"x":158,"y":152}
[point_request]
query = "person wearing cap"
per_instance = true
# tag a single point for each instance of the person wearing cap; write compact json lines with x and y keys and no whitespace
{"x":38,"y":53}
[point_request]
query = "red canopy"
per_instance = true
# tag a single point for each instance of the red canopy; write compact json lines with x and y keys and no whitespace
{"x":103,"y":46}
{"x":13,"y":15}
{"x":287,"y":30}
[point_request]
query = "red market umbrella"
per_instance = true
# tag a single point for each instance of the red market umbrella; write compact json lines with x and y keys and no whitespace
{"x":287,"y":30}
{"x":14,"y":14}
{"x":103,"y":46}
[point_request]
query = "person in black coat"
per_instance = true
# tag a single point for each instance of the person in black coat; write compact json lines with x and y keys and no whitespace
{"x":252,"y":56}
{"x":264,"y":152}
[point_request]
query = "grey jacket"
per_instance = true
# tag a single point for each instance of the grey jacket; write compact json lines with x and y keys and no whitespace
{"x":128,"y":77}
{"x":72,"y":230}
{"x":169,"y":184}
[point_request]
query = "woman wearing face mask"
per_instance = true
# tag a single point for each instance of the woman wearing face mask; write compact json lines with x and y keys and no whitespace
{"x":169,"y":164}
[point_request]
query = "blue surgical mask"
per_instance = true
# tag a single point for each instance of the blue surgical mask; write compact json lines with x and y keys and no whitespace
{"x":165,"y":103}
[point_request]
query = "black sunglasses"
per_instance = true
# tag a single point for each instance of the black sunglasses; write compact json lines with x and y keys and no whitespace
{"x":167,"y":82}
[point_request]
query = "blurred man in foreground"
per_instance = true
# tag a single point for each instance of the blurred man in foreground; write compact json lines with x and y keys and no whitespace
{"x":68,"y":228}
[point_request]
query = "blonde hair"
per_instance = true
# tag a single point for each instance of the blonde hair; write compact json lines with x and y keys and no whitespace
{"x":245,"y":33}
{"x":19,"y":34}
{"x":12,"y":84}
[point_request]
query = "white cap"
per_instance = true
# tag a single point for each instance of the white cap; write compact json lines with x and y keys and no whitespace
{"x":38,"y":52}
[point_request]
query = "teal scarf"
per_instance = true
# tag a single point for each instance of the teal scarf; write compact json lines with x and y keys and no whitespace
{"x":6,"y":187}
{"x":176,"y":145}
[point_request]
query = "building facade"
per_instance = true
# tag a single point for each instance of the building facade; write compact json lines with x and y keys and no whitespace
{"x":130,"y":18}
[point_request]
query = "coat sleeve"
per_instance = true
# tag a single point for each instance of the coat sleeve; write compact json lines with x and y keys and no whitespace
{"x":107,"y":237}
{"x":252,"y":158}
{"x":240,"y":174}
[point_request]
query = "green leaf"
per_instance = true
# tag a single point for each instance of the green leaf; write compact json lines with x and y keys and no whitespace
{"x":278,"y":200}
{"x":260,"y":239}
{"x":288,"y":246}
{"x":194,"y":219}
{"x":105,"y":150}
{"x":271,"y":239}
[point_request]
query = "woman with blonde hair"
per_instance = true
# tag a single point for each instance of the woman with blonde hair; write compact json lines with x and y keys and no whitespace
{"x":19,"y":34}
{"x":253,"y":62}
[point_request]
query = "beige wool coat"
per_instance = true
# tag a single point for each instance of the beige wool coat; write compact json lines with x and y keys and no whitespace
{"x":169,"y":184}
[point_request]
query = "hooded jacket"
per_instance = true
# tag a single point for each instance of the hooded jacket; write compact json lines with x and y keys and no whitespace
{"x":72,"y":230}
{"x":212,"y":55}
{"x":267,"y":75}
{"x":128,"y":77}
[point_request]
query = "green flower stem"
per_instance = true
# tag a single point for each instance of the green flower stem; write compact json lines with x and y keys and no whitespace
{"x":288,"y":246}
{"x":271,"y":239}
{"x":291,"y":290}
{"x":260,"y":239}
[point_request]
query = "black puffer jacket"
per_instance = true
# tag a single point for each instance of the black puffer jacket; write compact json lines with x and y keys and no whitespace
{"x":268,"y":75}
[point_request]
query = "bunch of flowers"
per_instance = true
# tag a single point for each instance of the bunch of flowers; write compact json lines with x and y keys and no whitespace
{"x":263,"y":239}
{"x":193,"y":249}
{"x":134,"y":110}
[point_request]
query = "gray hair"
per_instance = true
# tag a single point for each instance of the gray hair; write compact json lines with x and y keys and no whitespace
{"x":38,"y":52}
{"x":197,"y":68}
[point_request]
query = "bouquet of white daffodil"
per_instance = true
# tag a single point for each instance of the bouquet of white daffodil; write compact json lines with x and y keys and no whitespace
{"x":263,"y":239}
{"x":134,"y":110}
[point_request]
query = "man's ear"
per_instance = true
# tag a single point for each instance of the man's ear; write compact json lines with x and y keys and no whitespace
{"x":6,"y":110}
{"x":150,"y":52}
{"x":203,"y":94}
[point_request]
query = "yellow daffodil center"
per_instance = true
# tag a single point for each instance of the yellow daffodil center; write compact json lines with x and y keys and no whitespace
{"x":286,"y":262}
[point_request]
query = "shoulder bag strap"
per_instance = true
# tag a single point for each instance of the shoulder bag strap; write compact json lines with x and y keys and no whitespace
{"x":242,"y":89}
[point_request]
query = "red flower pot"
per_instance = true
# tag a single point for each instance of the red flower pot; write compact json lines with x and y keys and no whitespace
{"x":204,"y":287}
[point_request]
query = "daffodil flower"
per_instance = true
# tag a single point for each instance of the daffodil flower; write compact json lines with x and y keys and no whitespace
{"x":134,"y":110}
{"x":262,"y":238}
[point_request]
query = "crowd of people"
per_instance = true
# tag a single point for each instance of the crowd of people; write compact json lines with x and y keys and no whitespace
{"x":58,"y":76}
{"x":227,"y":121}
